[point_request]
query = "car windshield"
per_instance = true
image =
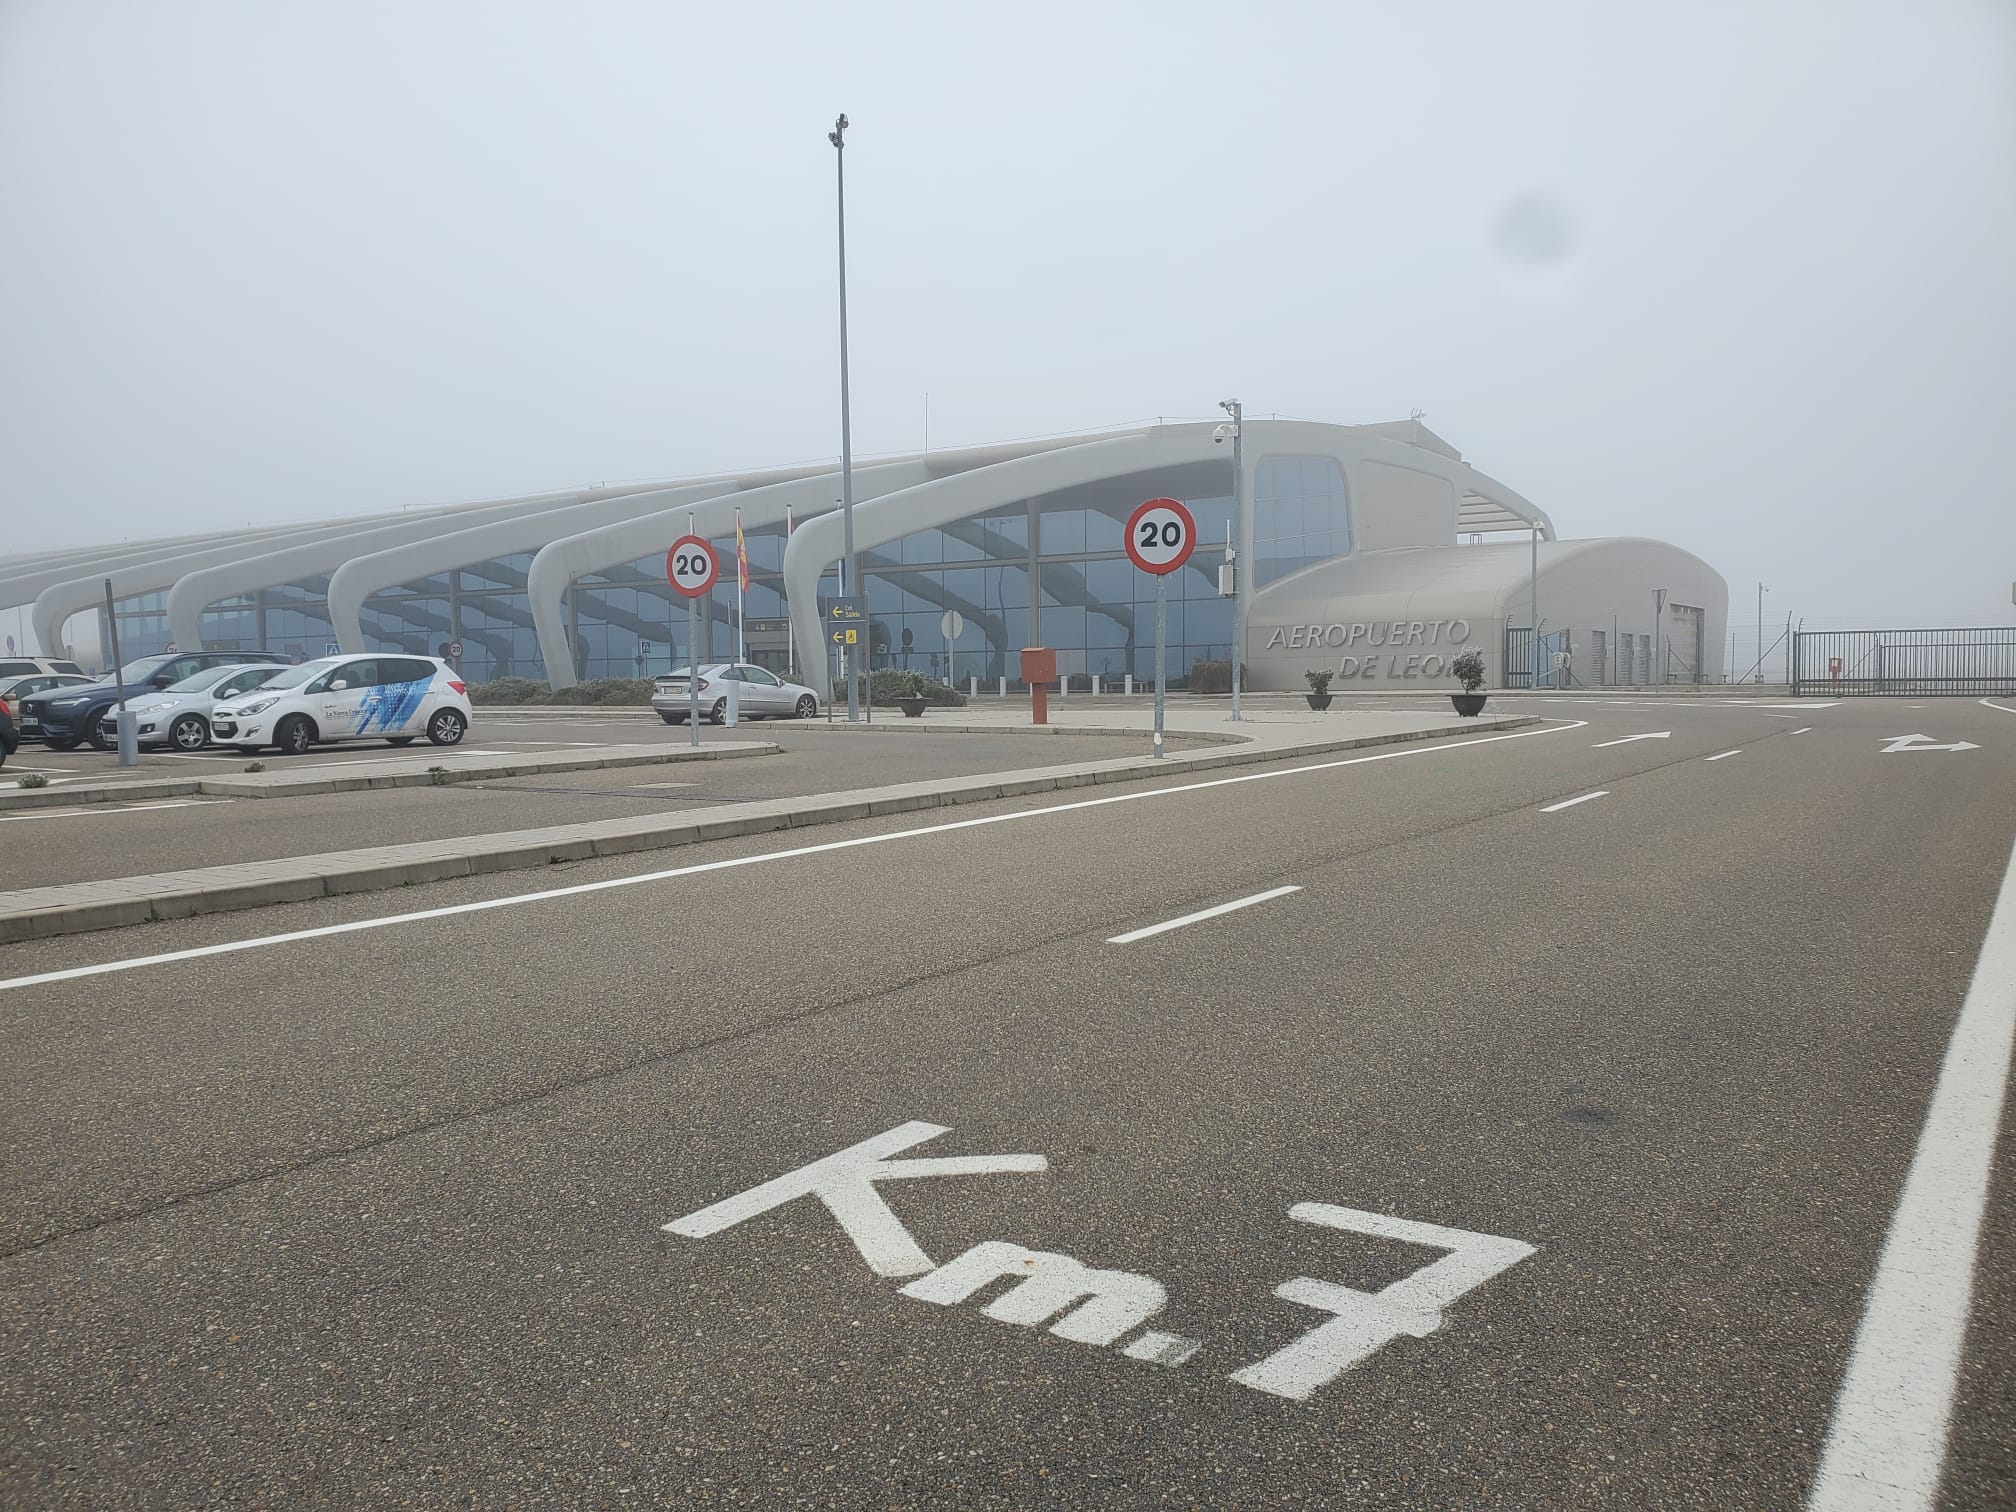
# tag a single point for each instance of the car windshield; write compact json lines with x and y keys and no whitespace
{"x":197,"y":682}
{"x":140,"y":670}
{"x":293,"y":677}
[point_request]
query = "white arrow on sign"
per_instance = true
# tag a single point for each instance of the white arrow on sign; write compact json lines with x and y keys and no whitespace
{"x":1923,"y":743}
{"x":845,"y":1182}
{"x":1655,"y":735}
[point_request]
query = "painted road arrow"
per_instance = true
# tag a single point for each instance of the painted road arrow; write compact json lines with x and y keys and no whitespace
{"x":1655,"y":735}
{"x":1923,"y":743}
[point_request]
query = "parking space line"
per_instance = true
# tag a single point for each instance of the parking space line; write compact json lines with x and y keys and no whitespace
{"x":1725,"y":755}
{"x":1802,"y":730}
{"x":792,"y":853}
{"x":1555,"y":808}
{"x":1886,"y":1446}
{"x":1198,"y":917}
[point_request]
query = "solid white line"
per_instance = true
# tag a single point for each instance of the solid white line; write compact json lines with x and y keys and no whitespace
{"x":1888,"y":1439}
{"x":579,"y":889}
{"x":1725,"y":755}
{"x":100,"y":812}
{"x":1555,"y":808}
{"x":2003,"y":707}
{"x":1203,"y":913}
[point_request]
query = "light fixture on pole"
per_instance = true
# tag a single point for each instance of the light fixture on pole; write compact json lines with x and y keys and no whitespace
{"x":838,"y":137}
{"x":1237,"y":411}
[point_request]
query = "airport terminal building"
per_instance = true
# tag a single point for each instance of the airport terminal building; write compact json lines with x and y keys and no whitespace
{"x":1374,"y":551}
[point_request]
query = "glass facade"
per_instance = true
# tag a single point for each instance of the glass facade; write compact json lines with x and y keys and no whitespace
{"x":1300,"y":516}
{"x":1050,"y":571}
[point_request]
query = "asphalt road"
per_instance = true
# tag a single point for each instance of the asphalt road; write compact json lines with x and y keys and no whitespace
{"x":97,"y":841}
{"x":376,"y":1217}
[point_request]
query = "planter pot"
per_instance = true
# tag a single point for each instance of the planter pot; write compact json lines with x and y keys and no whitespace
{"x":1318,"y":700}
{"x":1469,"y":705}
{"x":913,"y":708}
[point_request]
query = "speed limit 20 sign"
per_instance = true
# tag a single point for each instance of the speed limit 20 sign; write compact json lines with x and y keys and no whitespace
{"x":691,"y":566}
{"x":1160,"y":536}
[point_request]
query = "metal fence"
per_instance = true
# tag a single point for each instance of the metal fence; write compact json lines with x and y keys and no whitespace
{"x":1842,"y":663}
{"x":1554,"y":662}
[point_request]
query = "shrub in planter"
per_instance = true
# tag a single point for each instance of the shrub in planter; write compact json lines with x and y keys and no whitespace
{"x":1319,"y":687}
{"x":892,"y":683}
{"x":1468,"y":669}
{"x":1208,"y":677}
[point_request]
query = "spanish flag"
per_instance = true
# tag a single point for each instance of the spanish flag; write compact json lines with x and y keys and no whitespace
{"x":741,"y":554}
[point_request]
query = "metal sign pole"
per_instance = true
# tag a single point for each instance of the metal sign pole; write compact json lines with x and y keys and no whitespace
{"x":124,"y":724}
{"x":1161,"y":639}
{"x":692,"y":671}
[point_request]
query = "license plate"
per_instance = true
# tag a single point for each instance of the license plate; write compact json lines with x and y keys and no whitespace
{"x":28,"y":724}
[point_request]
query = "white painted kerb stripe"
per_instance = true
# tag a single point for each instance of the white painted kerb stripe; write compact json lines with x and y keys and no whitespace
{"x":1555,"y":808}
{"x":578,"y":889}
{"x":1888,"y":1440}
{"x":1203,"y":913}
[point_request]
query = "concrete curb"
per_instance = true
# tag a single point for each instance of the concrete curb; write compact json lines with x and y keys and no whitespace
{"x":280,"y":784}
{"x":71,"y":908}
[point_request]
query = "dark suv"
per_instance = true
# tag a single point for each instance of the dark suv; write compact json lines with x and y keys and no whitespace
{"x":65,"y":717}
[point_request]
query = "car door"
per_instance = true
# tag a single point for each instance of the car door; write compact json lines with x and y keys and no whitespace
{"x":339,"y":707}
{"x":764,"y":692}
{"x":398,"y":704}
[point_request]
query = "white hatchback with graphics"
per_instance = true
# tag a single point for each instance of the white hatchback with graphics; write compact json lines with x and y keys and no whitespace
{"x":391,"y":698}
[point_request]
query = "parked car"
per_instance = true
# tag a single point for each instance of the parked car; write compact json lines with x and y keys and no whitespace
{"x":65,"y":717}
{"x":23,"y":666}
{"x":394,"y":698}
{"x":179,"y":716}
{"x":10,"y":739}
{"x":764,"y":695}
{"x":21,"y":684}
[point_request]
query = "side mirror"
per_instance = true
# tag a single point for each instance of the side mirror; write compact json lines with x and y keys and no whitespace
{"x":160,"y":680}
{"x":338,"y":686}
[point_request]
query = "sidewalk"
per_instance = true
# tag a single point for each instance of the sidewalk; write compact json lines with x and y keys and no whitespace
{"x":287,"y":778}
{"x":32,"y":913}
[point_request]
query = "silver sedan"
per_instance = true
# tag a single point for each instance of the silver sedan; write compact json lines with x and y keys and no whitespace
{"x":179,"y":715}
{"x":763,"y":694}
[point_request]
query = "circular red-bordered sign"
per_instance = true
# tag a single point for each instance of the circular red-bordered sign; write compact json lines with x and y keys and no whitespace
{"x":1161,"y":534}
{"x":691,"y":566}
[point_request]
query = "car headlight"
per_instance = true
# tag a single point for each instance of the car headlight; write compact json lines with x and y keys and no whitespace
{"x":252,"y":708}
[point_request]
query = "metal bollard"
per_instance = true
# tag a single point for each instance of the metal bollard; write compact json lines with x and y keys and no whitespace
{"x":1130,"y":684}
{"x":734,"y":702}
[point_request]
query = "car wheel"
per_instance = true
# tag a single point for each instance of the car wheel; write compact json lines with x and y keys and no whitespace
{"x":719,"y":713}
{"x":98,"y":741}
{"x":189,"y":733}
{"x":671,"y":719}
{"x":808,"y":707}
{"x":294,"y":735}
{"x":399,"y":740}
{"x":447,"y":727}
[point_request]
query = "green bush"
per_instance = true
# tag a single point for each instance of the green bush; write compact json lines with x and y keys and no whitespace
{"x":892,"y":683}
{"x":1319,"y":680}
{"x":632,"y":691}
{"x":33,"y":780}
{"x":1468,"y":669}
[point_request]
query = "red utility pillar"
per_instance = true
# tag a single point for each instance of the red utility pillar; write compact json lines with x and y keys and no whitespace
{"x":1039,"y":668}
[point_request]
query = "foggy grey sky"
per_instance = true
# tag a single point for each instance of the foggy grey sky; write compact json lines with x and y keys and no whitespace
{"x":1738,"y":276}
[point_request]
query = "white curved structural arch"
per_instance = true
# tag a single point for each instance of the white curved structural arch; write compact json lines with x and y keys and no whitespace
{"x":197,"y":591}
{"x":55,"y":604}
{"x":559,"y":565}
{"x":944,"y":500}
{"x":531,"y":530}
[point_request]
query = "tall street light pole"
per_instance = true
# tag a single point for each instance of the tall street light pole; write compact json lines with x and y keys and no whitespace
{"x":1237,"y":411}
{"x":838,"y":137}
{"x":1760,"y":632}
